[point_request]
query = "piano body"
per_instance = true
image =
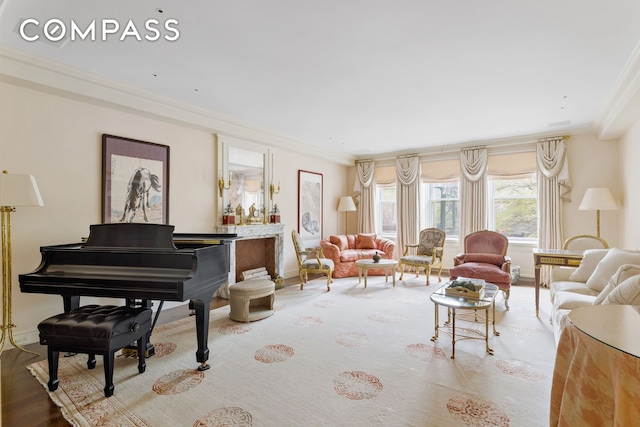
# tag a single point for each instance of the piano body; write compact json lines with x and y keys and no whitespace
{"x":137,"y":262}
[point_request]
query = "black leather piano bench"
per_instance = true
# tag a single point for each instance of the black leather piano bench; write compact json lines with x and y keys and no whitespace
{"x":95,"y":329}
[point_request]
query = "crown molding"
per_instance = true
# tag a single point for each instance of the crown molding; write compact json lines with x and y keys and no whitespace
{"x":37,"y":73}
{"x":622,"y":108}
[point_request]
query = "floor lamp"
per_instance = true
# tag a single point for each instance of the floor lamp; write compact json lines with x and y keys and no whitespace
{"x":598,"y":199}
{"x":346,"y":205}
{"x":15,"y":190}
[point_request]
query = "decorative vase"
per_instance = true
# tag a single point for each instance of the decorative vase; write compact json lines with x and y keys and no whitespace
{"x":376,"y":257}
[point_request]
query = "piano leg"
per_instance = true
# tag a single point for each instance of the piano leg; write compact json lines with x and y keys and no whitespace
{"x":202,"y":307}
{"x":70,"y":302}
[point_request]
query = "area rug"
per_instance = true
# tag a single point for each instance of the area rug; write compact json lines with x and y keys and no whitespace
{"x":348,"y":357}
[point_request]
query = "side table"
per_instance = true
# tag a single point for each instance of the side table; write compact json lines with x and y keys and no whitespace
{"x":363,"y":265}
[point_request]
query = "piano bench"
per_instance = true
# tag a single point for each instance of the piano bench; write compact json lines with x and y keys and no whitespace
{"x":251,"y":300}
{"x":95,"y":329}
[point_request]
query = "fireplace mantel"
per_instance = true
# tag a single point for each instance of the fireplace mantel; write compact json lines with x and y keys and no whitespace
{"x":250,"y":232}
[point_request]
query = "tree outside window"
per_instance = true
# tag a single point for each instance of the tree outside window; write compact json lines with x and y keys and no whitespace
{"x":443,"y":205}
{"x":387,"y":217}
{"x":513,"y":211}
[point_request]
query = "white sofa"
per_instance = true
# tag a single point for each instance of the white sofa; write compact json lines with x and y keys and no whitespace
{"x":605,"y":276}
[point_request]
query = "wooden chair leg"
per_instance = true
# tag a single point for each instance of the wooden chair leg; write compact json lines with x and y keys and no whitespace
{"x":108,"y":373}
{"x":91,"y":361}
{"x":52,"y":357}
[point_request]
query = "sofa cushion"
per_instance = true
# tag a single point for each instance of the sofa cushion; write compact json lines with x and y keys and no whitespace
{"x":590,"y":260}
{"x":572,"y":300}
{"x":624,"y":272}
{"x":495,"y":259}
{"x":627,"y":292}
{"x":570,"y":286}
{"x":609,"y":265}
{"x":353,"y":255}
{"x":366,"y":241}
{"x":340,"y":241}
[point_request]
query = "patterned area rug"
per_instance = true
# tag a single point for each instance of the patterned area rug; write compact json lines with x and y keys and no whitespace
{"x":349,"y":357}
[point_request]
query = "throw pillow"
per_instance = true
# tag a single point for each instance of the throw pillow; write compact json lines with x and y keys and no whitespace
{"x":366,"y":241}
{"x":590,"y":260}
{"x":340,"y":242}
{"x":609,"y":265}
{"x":494,"y":259}
{"x":624,"y":272}
{"x":627,"y":292}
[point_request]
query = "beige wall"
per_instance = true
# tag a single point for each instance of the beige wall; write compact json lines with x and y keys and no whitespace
{"x":58,"y":140}
{"x":592,"y":163}
{"x":629,"y":162}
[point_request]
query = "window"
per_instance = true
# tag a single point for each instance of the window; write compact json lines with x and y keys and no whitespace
{"x":513,"y":207}
{"x":387,"y":213}
{"x":442,"y":205}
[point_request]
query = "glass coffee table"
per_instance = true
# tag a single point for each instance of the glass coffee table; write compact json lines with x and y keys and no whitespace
{"x":471,"y":308}
{"x":389,"y":265}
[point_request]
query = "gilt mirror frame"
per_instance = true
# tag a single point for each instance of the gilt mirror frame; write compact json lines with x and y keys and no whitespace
{"x":229,"y":167}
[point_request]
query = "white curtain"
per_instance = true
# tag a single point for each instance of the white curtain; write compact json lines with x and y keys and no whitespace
{"x":365,"y":185}
{"x":408,"y":200}
{"x":553,"y":187}
{"x":473,"y":190}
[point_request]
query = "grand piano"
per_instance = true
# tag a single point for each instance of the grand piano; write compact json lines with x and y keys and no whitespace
{"x":140,"y":263}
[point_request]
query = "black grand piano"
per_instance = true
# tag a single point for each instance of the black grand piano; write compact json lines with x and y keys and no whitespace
{"x":138,"y":262}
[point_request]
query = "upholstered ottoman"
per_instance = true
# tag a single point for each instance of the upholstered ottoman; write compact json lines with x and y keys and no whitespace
{"x":95,"y":329}
{"x":251,"y":300}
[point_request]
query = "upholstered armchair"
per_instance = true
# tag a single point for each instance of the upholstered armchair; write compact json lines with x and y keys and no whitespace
{"x":311,"y":260}
{"x":426,"y":254}
{"x":485,"y":257}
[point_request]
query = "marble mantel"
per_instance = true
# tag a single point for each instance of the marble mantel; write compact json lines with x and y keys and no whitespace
{"x":252,"y":232}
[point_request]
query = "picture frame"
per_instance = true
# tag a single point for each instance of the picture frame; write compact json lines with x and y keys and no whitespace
{"x":135,"y":181}
{"x":310,"y":205}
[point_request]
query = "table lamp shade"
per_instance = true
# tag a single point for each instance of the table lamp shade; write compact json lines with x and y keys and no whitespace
{"x":598,"y":199}
{"x":346,"y":204}
{"x":19,"y":190}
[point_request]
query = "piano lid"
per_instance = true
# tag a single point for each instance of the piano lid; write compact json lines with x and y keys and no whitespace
{"x":131,"y":235}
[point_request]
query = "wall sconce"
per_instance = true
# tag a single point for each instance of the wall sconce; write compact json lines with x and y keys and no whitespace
{"x":221,"y":185}
{"x":272,"y":189}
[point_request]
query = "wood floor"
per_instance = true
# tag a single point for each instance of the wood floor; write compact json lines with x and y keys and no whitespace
{"x":26,"y":403}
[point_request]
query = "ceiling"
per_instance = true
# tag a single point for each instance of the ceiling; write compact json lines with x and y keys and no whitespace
{"x":361,"y":77}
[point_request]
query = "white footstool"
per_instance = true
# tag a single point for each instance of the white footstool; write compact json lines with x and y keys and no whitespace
{"x":251,"y":300}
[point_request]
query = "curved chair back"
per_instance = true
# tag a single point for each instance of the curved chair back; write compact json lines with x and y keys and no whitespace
{"x":584,"y":242}
{"x":430,"y":238}
{"x":486,"y":241}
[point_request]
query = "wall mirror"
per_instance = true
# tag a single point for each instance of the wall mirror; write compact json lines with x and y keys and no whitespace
{"x":246,"y":165}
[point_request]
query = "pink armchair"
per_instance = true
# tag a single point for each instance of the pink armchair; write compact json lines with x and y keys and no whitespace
{"x":485,"y":257}
{"x":345,"y":250}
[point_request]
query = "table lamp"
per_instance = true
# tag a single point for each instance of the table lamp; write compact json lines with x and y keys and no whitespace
{"x":346,"y":205}
{"x":598,"y":199}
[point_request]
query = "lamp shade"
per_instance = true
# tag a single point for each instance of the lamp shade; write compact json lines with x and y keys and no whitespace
{"x":19,"y":190}
{"x":346,"y":204}
{"x":598,"y":199}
